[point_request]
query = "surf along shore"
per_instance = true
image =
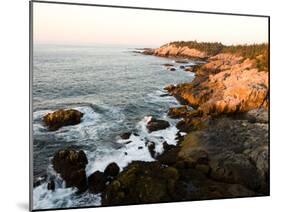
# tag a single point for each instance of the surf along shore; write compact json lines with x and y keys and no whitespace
{"x":222,"y":149}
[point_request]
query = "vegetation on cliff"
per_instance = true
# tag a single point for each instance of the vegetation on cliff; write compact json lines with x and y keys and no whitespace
{"x":208,"y":47}
{"x":259,"y":52}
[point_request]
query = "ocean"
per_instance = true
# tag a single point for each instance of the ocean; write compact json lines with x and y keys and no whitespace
{"x":117,"y":90}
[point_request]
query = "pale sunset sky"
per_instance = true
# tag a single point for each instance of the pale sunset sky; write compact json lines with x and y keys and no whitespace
{"x":82,"y":25}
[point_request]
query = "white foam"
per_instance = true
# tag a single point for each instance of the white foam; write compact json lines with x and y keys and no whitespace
{"x":133,"y":149}
{"x":62,"y":198}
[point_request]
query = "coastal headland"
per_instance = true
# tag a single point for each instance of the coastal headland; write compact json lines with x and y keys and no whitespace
{"x":223,"y":133}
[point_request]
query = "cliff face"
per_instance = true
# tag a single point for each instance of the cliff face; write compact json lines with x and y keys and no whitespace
{"x":226,"y":84}
{"x":173,"y":50}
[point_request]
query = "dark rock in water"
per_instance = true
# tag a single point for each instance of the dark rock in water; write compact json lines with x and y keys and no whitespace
{"x":71,"y":164}
{"x":182,"y":67}
{"x":168,"y":65}
{"x":135,"y":134}
{"x":170,"y":155}
{"x":148,"y":51}
{"x":39,"y":180}
{"x":125,"y":153}
{"x":172,"y":69}
{"x":151,"y":148}
{"x":189,"y":68}
{"x":140,"y":147}
{"x":141,"y":182}
{"x":167,"y":146}
{"x":126,"y":135}
{"x":182,"y":61}
{"x":60,"y":118}
{"x":51,"y":185}
{"x":112,"y":170}
{"x":97,"y":182}
{"x":157,"y":124}
{"x":164,"y":95}
{"x":128,"y":142}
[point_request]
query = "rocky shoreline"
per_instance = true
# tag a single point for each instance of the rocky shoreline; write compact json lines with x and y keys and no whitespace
{"x":222,"y":148}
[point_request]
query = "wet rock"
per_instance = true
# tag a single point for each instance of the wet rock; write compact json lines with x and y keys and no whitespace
{"x":136,"y":134}
{"x":141,"y":182}
{"x":168,"y":65}
{"x":71,"y":164}
{"x":128,"y":142}
{"x":157,"y":124}
{"x":125,"y":135}
{"x":39,"y":180}
{"x":181,"y":61}
{"x":164,"y":95}
{"x":51,"y":185}
{"x":148,"y":51}
{"x":62,"y":117}
{"x":151,"y":148}
{"x":167,"y":146}
{"x":97,"y":182}
{"x":172,"y":69}
{"x":189,"y":68}
{"x":169,"y":156}
{"x":182,"y":67}
{"x":112,"y":170}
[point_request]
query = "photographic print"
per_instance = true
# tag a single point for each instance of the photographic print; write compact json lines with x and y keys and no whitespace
{"x":139,"y":106}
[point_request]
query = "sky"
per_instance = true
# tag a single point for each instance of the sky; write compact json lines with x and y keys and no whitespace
{"x":83,"y":25}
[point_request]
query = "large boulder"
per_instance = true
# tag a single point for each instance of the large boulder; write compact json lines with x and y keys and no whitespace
{"x":141,"y":182}
{"x":62,"y":117}
{"x":125,"y":135}
{"x":71,"y":164}
{"x":169,"y":156}
{"x":157,"y":124}
{"x":112,"y":170}
{"x":97,"y":182}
